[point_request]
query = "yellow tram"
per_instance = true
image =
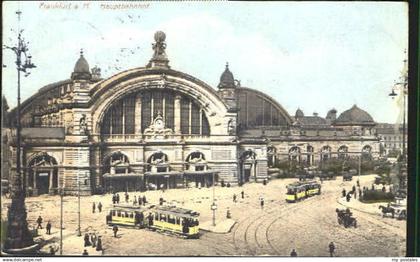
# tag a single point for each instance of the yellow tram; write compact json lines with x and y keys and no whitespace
{"x":174,"y":220}
{"x":300,"y":190}
{"x":124,"y":215}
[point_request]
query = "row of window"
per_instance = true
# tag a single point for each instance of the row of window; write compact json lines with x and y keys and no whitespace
{"x":120,"y":118}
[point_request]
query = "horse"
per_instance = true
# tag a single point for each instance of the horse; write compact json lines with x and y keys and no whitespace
{"x":386,"y":210}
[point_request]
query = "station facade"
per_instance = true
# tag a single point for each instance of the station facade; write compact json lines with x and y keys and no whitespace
{"x":152,"y":127}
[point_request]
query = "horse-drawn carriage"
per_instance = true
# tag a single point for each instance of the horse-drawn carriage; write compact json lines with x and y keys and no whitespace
{"x":395,"y":209}
{"x":345,"y":217}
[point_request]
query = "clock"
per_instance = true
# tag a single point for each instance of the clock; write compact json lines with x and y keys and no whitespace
{"x":159,"y":123}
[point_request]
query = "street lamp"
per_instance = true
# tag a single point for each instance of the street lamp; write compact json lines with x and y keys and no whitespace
{"x":18,"y":236}
{"x":214,"y":206}
{"x":79,"y":232}
{"x":404,"y":84}
{"x":61,"y":219}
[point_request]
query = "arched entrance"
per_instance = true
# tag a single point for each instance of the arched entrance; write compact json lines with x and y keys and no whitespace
{"x":271,"y":156}
{"x":197,"y":171}
{"x":159,"y":174}
{"x":118,"y":175}
{"x":248,"y":166}
{"x":43,"y":174}
{"x":325,"y":153}
{"x":342,"y":152}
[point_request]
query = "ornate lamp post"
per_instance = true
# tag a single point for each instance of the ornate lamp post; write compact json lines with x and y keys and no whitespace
{"x":19,"y":239}
{"x":402,"y":85}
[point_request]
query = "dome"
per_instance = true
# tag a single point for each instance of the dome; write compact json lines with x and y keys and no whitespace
{"x":81,"y":69}
{"x":354,"y":116}
{"x":226,"y":79}
{"x":331,"y":114}
{"x":299,"y":113}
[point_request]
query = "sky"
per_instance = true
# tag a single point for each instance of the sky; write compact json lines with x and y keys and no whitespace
{"x":309,"y":55}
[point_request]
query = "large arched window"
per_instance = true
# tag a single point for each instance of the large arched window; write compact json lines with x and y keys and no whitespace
{"x":196,"y":162}
{"x":294,"y":154}
{"x":342,"y":151}
{"x":135,"y":112}
{"x":116,"y":163}
{"x":325,"y":153}
{"x":158,"y":162}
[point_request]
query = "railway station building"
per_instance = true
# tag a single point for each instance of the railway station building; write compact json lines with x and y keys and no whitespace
{"x":153,"y":126}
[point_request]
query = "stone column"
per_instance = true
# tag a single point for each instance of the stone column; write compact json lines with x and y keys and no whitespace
{"x":177,"y":115}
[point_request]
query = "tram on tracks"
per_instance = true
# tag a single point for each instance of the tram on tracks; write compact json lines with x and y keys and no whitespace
{"x":177,"y":221}
{"x":300,"y":190}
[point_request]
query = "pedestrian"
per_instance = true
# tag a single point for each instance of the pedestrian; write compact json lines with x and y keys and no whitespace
{"x":242,"y":194}
{"x":150,"y":219}
{"x":355,"y":194}
{"x":39,"y":221}
{"x":228,"y":184}
{"x":262,"y":203}
{"x":87,"y":240}
{"x":234,"y":198}
{"x":85,"y":253}
{"x":100,"y":207}
{"x":383,"y":189}
{"x":332,"y":248}
{"x":360,"y":193}
{"x":93,"y":207}
{"x":52,"y":251}
{"x":160,"y":201}
{"x":373,"y":187}
{"x":126,"y":197}
{"x":118,"y":198}
{"x":344,"y":192}
{"x":228,"y":215}
{"x":48,"y":227}
{"x":348,"y":197}
{"x":293,"y":253}
{"x":93,"y":239}
{"x":353,"y":188}
{"x":140,"y":201}
{"x":144,"y":200}
{"x":358,"y":183}
{"x":99,"y":244}
{"x":114,"y":199}
{"x":115,"y":229}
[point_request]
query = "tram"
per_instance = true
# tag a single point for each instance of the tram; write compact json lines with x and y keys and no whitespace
{"x":300,"y":190}
{"x":175,"y":220}
{"x":178,"y":221}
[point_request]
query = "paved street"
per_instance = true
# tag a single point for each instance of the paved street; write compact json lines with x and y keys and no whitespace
{"x":308,"y":226}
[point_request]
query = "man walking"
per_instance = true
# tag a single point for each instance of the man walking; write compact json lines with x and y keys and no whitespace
{"x":242,"y":194}
{"x":118,"y":198}
{"x":93,"y":207}
{"x":100,"y":207}
{"x":262,"y":202}
{"x":144,"y":200}
{"x":234,"y":198}
{"x":115,"y":229}
{"x":39,"y":221}
{"x":332,"y":248}
{"x":48,"y":227}
{"x":344,"y":192}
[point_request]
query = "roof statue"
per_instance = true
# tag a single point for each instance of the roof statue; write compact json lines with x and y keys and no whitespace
{"x":159,"y":58}
{"x":81,"y":69}
{"x":226,"y":79}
